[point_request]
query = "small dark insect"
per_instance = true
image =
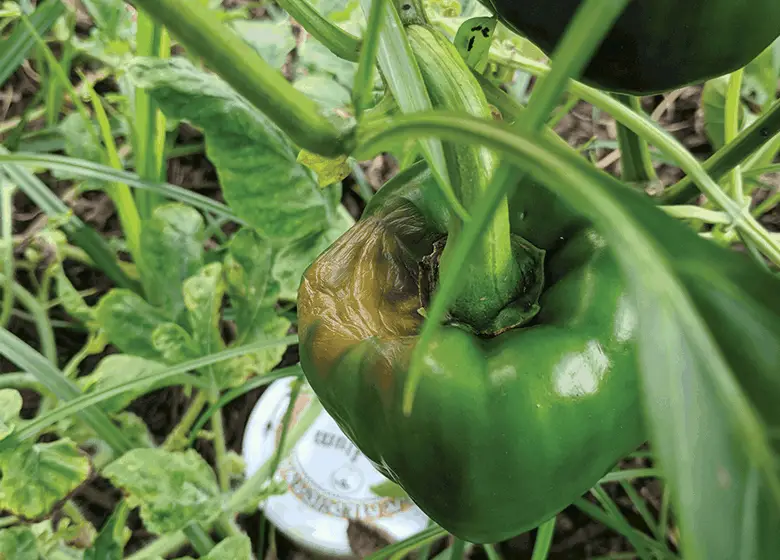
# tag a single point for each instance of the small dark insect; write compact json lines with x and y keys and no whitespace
{"x":764,"y":132}
{"x":471,"y":44}
{"x":477,"y":28}
{"x":485,"y":32}
{"x":406,"y":7}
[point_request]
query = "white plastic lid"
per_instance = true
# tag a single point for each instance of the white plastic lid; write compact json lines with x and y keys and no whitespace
{"x":329,"y":480}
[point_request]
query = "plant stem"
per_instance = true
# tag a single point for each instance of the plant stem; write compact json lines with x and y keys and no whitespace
{"x":199,"y":539}
{"x":244,"y":69}
{"x":731,"y":129}
{"x":177,"y":438}
{"x":42,"y":324}
{"x":635,"y":162}
{"x":120,"y":194}
{"x":245,"y":495}
{"x":491,"y":277}
{"x":732,"y":154}
{"x":19,"y":380}
{"x":457,"y":549}
{"x":336,"y":40}
{"x":364,"y":77}
{"x":544,"y":538}
{"x":220,"y":448}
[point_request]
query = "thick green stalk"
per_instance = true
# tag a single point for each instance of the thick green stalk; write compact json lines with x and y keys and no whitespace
{"x":635,"y":162}
{"x":341,"y":43}
{"x":177,"y":438}
{"x":492,"y":274}
{"x":364,"y":77}
{"x":227,"y":54}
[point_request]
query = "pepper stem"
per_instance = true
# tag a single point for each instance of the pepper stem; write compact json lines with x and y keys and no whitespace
{"x":492,"y":275}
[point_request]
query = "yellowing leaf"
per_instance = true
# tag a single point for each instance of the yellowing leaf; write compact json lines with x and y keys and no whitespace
{"x":328,"y":170}
{"x":35,"y":477}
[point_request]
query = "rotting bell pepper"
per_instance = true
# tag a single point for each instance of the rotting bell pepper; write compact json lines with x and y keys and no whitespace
{"x":506,"y":430}
{"x":656,"y":45}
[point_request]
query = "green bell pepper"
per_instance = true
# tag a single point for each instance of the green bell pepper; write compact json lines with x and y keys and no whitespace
{"x":506,"y":430}
{"x":656,"y":45}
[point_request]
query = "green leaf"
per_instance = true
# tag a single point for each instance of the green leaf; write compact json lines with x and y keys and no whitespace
{"x":115,"y":370}
{"x":315,"y":58}
{"x":18,"y":44}
{"x":255,"y":162}
{"x":253,"y":292}
{"x":328,"y":170}
{"x":174,"y":343}
{"x":18,"y":543}
{"x":71,"y":300}
{"x":473,"y":41}
{"x":291,"y":261}
{"x":129,"y":323}
{"x":135,"y":429}
{"x":325,"y":91}
{"x":761,"y":75}
{"x":80,"y":142}
{"x":713,"y":100}
{"x":10,"y":407}
{"x":110,"y":542}
{"x":172,"y":248}
{"x":238,"y":547}
{"x":171,"y":489}
{"x":37,"y":476}
{"x":248,"y":278}
{"x":203,"y":294}
{"x":273,"y":40}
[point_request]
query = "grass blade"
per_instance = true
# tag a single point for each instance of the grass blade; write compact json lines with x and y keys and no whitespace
{"x":88,"y":170}
{"x":81,"y":234}
{"x":20,"y":353}
{"x":16,"y":47}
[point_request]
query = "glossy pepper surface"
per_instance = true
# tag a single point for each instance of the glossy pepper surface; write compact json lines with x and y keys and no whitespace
{"x":506,"y":430}
{"x":656,"y":45}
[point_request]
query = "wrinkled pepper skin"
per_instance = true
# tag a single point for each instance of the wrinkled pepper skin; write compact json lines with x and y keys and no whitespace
{"x":505,"y":431}
{"x":656,"y":45}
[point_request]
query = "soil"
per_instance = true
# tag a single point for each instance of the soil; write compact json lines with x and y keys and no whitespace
{"x":576,"y":535}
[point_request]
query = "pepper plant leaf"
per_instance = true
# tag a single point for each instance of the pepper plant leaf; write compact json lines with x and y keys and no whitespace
{"x":10,"y":407}
{"x":238,"y":547}
{"x":473,"y":41}
{"x":71,"y":300}
{"x":18,"y":543}
{"x":256,"y":163}
{"x":35,"y":477}
{"x":171,"y":489}
{"x":174,"y":343}
{"x":117,"y":369}
{"x":292,"y":260}
{"x":129,"y":322}
{"x":172,"y":249}
{"x":203,"y":294}
{"x":273,"y":40}
{"x":253,"y":292}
